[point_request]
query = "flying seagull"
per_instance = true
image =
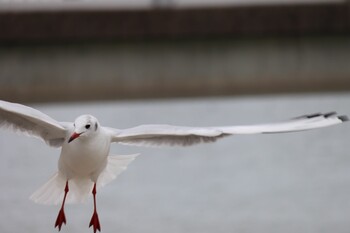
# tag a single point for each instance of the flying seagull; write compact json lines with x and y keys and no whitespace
{"x":85,"y":164}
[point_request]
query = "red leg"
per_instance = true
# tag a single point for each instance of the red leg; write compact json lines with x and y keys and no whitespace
{"x":61,"y":218}
{"x":94,"y":219}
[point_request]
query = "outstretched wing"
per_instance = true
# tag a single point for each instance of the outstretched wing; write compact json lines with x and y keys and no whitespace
{"x":157,"y":135}
{"x":31,"y":122}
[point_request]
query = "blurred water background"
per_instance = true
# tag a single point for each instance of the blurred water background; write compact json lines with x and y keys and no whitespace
{"x":298,"y":182}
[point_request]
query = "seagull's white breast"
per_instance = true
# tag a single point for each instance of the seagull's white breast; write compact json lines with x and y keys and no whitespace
{"x":84,"y":157}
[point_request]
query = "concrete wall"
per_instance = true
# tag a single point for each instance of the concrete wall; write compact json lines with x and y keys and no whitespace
{"x":169,"y":52}
{"x":173,"y":68}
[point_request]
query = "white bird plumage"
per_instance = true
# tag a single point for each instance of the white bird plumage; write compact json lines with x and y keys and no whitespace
{"x":85,"y":161}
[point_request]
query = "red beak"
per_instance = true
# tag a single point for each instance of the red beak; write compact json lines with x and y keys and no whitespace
{"x":74,"y":136}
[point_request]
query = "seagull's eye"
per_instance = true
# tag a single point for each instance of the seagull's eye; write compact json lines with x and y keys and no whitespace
{"x":87,"y":126}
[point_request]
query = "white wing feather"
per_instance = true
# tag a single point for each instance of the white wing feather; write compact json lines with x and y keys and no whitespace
{"x":157,"y":135}
{"x":31,"y":122}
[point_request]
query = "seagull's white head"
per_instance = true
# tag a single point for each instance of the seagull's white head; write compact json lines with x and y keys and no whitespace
{"x":84,"y":126}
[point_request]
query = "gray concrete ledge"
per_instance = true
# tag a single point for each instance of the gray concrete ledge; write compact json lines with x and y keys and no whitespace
{"x":169,"y":69}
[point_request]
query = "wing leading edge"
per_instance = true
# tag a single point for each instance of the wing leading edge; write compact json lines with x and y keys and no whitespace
{"x":158,"y":135}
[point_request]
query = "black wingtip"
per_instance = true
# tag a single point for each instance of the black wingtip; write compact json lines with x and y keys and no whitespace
{"x":343,"y":118}
{"x":329,"y":114}
{"x":313,"y":115}
{"x":325,"y":115}
{"x":308,"y":116}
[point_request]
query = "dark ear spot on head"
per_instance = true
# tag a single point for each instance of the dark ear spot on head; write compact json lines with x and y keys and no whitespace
{"x":96,"y":126}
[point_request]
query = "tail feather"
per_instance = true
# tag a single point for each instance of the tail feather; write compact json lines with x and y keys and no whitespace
{"x":116,"y":164}
{"x":52,"y":192}
{"x":79,"y":190}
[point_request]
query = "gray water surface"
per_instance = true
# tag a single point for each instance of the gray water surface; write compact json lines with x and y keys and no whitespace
{"x":298,"y":182}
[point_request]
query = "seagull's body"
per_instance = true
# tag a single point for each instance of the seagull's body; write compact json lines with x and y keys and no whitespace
{"x":86,"y":157}
{"x":83,"y":161}
{"x":85,"y":164}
